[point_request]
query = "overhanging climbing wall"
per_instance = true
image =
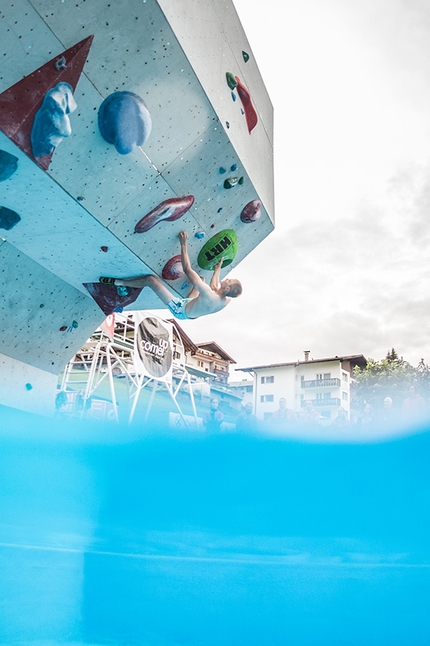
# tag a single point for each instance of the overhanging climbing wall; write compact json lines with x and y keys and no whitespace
{"x":114,"y":114}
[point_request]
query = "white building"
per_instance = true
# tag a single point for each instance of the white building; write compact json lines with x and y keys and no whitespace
{"x":326,"y":382}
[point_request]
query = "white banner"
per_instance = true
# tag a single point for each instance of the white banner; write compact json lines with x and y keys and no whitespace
{"x":153,"y":347}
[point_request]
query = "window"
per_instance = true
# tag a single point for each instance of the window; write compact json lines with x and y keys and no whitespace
{"x":200,"y":364}
{"x":327,"y":375}
{"x":268,"y":380}
{"x":345,"y":376}
{"x":327,"y":395}
{"x":176,"y":355}
{"x":249,"y":389}
{"x":345,"y":397}
{"x":319,"y":376}
{"x":266,"y":398}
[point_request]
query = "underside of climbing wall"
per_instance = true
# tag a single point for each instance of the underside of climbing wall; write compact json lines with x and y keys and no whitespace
{"x":121,"y":124}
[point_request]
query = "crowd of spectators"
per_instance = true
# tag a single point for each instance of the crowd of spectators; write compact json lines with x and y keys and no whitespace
{"x":412,"y":410}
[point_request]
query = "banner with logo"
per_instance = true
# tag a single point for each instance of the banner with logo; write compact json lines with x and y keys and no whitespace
{"x":153,"y":347}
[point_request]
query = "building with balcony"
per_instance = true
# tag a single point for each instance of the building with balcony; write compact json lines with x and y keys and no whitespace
{"x":211,"y":358}
{"x":325,"y":382}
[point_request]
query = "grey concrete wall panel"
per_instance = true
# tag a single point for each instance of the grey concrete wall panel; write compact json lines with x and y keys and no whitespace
{"x":56,"y":230}
{"x":213,"y":40}
{"x":26,"y":387}
{"x":41,"y":304}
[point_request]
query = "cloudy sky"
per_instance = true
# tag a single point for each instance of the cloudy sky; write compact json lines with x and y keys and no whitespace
{"x":347,"y":269}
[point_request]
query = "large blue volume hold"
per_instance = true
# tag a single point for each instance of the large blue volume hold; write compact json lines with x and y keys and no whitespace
{"x":124,"y":121}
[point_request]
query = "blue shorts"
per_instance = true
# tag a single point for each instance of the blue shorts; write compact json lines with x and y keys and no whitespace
{"x":177,"y":307}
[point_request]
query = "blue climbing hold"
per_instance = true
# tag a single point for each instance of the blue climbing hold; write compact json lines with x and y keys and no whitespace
{"x":233,"y":96}
{"x":222,"y":170}
{"x":8,"y":165}
{"x":8,"y":218}
{"x":124,"y":121}
{"x":234,"y":167}
{"x":51,"y":123}
{"x":122,"y":290}
{"x":199,"y":235}
{"x":119,"y":310}
{"x":29,"y":386}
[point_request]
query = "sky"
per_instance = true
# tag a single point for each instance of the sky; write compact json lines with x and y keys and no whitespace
{"x":346,"y":270}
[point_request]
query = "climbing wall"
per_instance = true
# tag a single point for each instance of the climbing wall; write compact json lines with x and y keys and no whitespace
{"x":120,"y":125}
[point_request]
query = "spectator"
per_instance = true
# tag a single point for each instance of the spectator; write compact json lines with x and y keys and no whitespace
{"x":341,"y":420}
{"x":414,"y":407}
{"x":367,"y":416}
{"x":387,"y":416}
{"x":213,"y":419}
{"x":283,"y":417}
{"x":309,"y":415}
{"x":246,"y":421}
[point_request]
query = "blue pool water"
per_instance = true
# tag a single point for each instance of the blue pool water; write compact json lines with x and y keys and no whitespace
{"x":137,"y":536}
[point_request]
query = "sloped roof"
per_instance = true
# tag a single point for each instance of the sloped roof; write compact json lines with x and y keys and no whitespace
{"x":354,"y":359}
{"x":189,"y":346}
{"x":211,"y":346}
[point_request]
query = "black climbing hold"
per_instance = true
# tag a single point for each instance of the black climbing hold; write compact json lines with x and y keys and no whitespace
{"x":80,"y":198}
{"x":41,"y":305}
{"x":227,"y":124}
{"x":63,"y":328}
{"x":104,"y":248}
{"x":8,"y":218}
{"x":8,"y":165}
{"x":220,"y":209}
{"x":245,"y":56}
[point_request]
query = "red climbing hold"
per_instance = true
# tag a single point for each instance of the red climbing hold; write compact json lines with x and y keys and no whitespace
{"x":169,"y":210}
{"x":250,"y":112}
{"x":251,"y":212}
{"x":172,"y":269}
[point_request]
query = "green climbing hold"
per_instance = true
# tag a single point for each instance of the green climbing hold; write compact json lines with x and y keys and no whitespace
{"x":231,"y":181}
{"x":222,"y":245}
{"x":231,"y":80}
{"x":241,"y":180}
{"x":245,"y":56}
{"x":74,"y":324}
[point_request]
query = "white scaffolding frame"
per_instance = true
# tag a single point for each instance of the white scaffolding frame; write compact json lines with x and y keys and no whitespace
{"x":102,"y":357}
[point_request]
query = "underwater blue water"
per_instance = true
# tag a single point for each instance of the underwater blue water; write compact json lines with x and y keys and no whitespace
{"x":138,"y":536}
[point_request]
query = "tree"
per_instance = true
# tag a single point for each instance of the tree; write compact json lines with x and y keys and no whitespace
{"x":390,"y":377}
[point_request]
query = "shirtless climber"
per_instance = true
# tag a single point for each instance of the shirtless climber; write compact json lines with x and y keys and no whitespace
{"x":204,"y":299}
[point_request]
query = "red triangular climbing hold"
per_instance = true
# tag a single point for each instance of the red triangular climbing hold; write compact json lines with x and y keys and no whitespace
{"x":19,"y":103}
{"x":107,"y":297}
